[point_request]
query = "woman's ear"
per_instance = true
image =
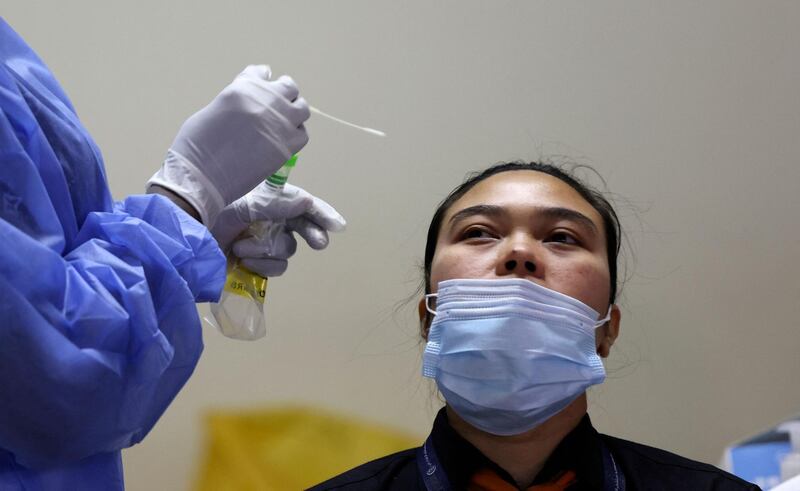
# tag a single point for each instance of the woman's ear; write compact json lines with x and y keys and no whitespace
{"x":607,"y":334}
{"x":424,"y":320}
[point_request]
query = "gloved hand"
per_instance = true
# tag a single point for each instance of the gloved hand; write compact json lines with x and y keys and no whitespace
{"x":224,"y":150}
{"x":301,"y":212}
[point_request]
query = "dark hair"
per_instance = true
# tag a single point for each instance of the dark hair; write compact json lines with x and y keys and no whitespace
{"x":593,"y":197}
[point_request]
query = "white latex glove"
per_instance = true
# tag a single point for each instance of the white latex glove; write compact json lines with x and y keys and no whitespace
{"x":301,"y":212}
{"x":224,"y":150}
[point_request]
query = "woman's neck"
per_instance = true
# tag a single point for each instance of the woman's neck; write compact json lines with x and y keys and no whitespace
{"x":523,"y":456}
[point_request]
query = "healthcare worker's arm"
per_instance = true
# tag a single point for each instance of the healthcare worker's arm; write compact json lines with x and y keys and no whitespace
{"x":179,"y":202}
{"x":96,"y":344}
{"x":98,"y":325}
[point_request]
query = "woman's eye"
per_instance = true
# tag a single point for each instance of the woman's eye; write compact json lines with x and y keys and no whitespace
{"x":476,"y":233}
{"x":563,"y":238}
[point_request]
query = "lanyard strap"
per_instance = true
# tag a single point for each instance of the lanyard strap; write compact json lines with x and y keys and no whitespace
{"x":613,"y":477}
{"x":430,"y":469}
{"x":435,"y":478}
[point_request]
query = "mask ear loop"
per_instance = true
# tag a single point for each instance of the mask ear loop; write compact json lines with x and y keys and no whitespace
{"x":604,"y":319}
{"x":427,"y":302}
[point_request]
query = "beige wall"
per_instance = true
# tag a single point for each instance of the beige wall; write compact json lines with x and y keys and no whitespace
{"x":690,"y":110}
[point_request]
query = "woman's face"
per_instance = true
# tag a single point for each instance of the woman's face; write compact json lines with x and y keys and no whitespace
{"x":531,"y":225}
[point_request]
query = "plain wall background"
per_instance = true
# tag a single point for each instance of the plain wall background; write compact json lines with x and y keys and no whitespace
{"x":690,"y":110}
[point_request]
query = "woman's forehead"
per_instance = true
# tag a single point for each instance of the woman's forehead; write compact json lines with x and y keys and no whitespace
{"x":520,"y":189}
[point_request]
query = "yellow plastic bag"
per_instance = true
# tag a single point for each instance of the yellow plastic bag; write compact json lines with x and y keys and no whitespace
{"x":289,"y":448}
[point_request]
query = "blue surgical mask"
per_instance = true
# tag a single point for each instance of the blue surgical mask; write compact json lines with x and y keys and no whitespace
{"x":509,"y":354}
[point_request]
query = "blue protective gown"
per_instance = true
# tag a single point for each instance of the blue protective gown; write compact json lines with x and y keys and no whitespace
{"x":98,"y":325}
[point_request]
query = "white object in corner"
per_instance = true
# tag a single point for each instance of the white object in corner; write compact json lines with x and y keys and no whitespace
{"x":790,"y":464}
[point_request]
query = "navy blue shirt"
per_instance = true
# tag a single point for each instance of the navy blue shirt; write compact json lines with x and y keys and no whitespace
{"x":645,"y":468}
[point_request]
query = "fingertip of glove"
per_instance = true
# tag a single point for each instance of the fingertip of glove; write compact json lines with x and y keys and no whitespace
{"x":286,"y":80}
{"x":317,"y":241}
{"x":339,"y":224}
{"x":263,"y":72}
{"x":287,"y":87}
{"x":331,"y":220}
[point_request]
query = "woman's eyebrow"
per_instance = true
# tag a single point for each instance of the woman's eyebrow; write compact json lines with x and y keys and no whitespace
{"x":488,"y":210}
{"x":558,"y":213}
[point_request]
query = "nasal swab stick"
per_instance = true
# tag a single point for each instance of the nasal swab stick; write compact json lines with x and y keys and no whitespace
{"x":347,"y":123}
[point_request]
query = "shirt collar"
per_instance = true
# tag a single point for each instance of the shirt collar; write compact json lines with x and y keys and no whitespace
{"x":579,"y":451}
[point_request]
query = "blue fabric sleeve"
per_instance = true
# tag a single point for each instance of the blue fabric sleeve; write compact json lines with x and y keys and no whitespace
{"x":100,"y":472}
{"x":97,"y":343}
{"x":98,"y":325}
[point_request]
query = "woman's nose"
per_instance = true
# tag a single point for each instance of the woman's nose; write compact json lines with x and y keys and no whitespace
{"x":511,"y":265}
{"x":520,"y":259}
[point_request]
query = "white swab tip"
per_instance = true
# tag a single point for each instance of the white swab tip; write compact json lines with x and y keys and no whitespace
{"x":371,"y":131}
{"x":374,"y":132}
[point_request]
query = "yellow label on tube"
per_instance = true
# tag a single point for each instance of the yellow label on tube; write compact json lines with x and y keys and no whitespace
{"x":245,"y":283}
